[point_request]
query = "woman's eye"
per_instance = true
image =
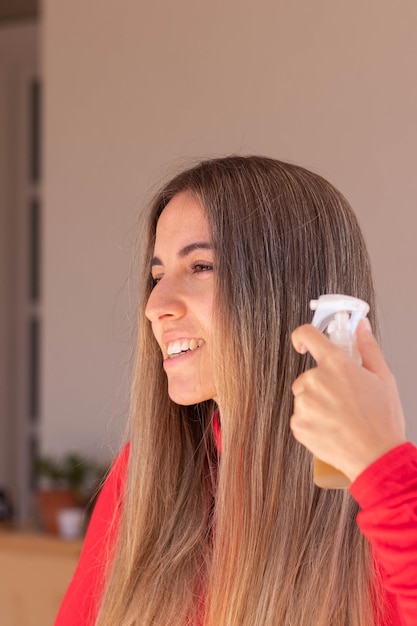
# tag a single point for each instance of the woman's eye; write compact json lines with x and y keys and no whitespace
{"x":197,"y":268}
{"x":155,"y":280}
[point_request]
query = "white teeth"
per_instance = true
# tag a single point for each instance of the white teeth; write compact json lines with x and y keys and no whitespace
{"x":176,"y":347}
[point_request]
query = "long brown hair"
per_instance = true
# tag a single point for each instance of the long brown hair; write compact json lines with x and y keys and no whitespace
{"x":246,"y":539}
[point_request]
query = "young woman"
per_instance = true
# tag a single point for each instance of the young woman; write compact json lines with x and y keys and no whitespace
{"x":210,"y":515}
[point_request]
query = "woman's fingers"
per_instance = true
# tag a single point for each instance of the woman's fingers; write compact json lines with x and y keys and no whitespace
{"x":306,"y":338}
{"x":370,"y":351}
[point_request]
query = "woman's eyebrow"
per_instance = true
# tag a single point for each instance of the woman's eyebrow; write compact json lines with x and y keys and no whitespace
{"x":186,"y":250}
{"x":199,"y":245}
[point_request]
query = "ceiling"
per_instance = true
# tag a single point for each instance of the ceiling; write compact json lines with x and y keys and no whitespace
{"x":12,"y":10}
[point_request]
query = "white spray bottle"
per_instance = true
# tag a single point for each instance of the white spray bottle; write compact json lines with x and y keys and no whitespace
{"x":339,"y":315}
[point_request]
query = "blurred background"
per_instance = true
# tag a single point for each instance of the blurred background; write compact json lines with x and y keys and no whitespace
{"x":102,"y":99}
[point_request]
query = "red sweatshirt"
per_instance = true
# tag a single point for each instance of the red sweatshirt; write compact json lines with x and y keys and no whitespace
{"x":386,"y":492}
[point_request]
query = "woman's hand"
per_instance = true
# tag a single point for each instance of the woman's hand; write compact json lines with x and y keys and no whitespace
{"x":346,"y":414}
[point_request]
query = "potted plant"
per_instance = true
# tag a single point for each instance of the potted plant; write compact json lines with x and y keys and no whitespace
{"x":63,"y":483}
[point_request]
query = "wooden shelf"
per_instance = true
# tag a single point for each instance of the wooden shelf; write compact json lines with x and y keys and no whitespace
{"x":35,"y":570}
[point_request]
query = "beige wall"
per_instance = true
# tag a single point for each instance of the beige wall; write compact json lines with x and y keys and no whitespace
{"x":132,"y":88}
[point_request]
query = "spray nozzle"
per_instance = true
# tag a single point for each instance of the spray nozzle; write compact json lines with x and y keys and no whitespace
{"x":336,"y":311}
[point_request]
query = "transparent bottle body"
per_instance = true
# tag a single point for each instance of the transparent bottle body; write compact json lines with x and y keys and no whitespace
{"x":325,"y":475}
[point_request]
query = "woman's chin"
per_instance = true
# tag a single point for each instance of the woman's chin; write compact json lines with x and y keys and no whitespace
{"x":188,"y":397}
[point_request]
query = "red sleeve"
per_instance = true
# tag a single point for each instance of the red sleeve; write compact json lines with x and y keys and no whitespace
{"x":81,"y":601}
{"x":387,"y":494}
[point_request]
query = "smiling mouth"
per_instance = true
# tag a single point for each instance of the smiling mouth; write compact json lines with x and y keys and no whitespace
{"x":181,"y":346}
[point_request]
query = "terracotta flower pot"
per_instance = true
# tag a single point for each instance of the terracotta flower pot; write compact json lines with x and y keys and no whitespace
{"x":49,"y":502}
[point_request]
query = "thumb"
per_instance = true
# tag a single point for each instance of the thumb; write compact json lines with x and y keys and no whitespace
{"x":370,"y":351}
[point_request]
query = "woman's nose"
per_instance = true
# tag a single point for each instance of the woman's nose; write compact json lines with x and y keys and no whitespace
{"x":165,"y":301}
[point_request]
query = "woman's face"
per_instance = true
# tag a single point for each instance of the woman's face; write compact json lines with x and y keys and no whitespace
{"x":180,"y":305}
